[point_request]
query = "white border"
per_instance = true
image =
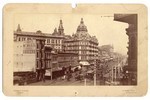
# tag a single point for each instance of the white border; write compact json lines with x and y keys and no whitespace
{"x":2,"y":3}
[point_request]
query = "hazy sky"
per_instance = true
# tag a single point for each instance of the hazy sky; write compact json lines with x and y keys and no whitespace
{"x":104,"y":28}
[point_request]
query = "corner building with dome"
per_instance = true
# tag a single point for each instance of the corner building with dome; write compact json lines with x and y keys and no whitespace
{"x":82,"y":43}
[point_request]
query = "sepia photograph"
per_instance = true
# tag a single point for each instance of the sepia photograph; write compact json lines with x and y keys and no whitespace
{"x":73,"y":46}
{"x":76,"y":58}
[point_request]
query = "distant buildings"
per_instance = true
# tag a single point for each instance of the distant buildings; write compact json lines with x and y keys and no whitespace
{"x":105,"y":52}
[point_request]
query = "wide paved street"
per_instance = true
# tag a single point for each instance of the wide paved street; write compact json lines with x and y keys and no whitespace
{"x":88,"y":82}
{"x":60,"y":82}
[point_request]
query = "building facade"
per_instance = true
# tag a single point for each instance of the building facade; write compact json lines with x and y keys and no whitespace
{"x":66,"y":50}
{"x":67,"y":59}
{"x":54,"y":39}
{"x":82,"y":43}
{"x":24,"y":56}
{"x":131,"y":31}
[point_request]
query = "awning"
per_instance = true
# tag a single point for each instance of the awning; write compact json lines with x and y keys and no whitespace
{"x":107,"y":75}
{"x":90,"y":71}
{"x":84,"y":63}
{"x":48,"y":73}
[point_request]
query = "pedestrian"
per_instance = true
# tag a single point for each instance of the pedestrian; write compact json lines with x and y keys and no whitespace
{"x":64,"y":73}
{"x":37,"y":74}
{"x":68,"y":72}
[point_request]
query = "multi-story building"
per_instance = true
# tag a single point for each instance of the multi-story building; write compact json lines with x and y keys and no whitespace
{"x":31,"y":55}
{"x":24,"y":56}
{"x":67,"y":59}
{"x":55,"y":39}
{"x":132,"y":32}
{"x":82,"y":43}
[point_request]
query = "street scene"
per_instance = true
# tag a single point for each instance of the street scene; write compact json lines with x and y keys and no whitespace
{"x":76,"y":59}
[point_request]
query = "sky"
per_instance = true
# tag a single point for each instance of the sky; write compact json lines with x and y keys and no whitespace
{"x":102,"y":26}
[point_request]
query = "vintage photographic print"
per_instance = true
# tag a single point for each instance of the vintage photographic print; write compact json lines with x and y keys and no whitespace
{"x":54,"y":47}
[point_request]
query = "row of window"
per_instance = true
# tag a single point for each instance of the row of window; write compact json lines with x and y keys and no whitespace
{"x":23,"y":38}
{"x":80,"y":47}
{"x":66,"y":58}
{"x":29,"y":45}
{"x":57,"y":41}
{"x":80,"y":43}
{"x":29,"y":51}
{"x":72,"y":51}
{"x":87,"y":58}
{"x":39,"y":55}
{"x":48,"y":55}
{"x":83,"y":57}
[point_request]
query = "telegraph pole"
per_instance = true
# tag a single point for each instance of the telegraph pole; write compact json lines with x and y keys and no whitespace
{"x":115,"y":74}
{"x":51,"y":70}
{"x":95,"y":73}
{"x":112,"y":73}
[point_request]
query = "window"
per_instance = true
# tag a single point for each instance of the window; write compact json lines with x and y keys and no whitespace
{"x":28,"y":38}
{"x":19,"y":39}
{"x":37,"y":46}
{"x":37,"y":64}
{"x":37,"y":54}
{"x":56,"y":41}
{"x":52,"y":40}
{"x":48,"y":40}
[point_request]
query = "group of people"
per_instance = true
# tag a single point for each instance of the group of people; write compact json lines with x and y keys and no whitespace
{"x":69,"y":73}
{"x":66,"y":73}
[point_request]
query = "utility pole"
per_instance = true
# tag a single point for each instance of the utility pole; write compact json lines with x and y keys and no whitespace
{"x":51,"y":74}
{"x":112,"y":73}
{"x":51,"y":71}
{"x":95,"y":73}
{"x":115,"y":74}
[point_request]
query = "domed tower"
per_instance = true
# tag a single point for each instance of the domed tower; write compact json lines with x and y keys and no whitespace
{"x":82,"y":32}
{"x":60,"y":28}
{"x":82,"y":27}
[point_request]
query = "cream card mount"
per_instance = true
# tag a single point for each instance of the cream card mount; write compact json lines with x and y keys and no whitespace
{"x":89,"y":50}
